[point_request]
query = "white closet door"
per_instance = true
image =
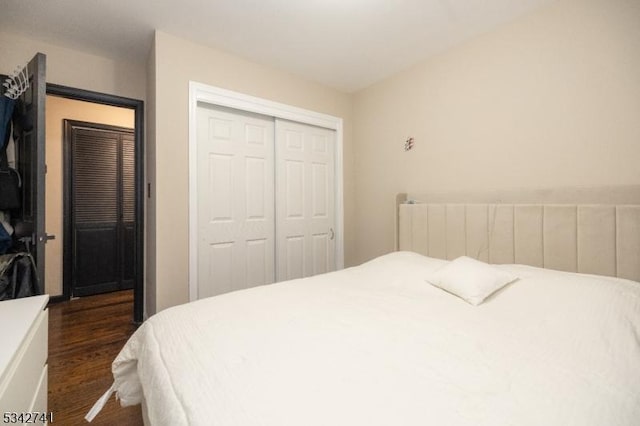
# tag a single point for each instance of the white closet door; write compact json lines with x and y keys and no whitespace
{"x":305,"y":204}
{"x":235,"y":200}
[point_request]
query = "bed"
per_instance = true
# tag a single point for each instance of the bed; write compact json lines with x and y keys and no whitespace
{"x":380,"y":344}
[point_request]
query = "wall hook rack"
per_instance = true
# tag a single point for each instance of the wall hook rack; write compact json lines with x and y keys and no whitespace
{"x":408,"y":144}
{"x":17,"y":83}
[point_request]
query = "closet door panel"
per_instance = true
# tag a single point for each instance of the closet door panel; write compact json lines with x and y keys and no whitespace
{"x":221,"y":269}
{"x":95,"y":198}
{"x":319,"y":182}
{"x":236,"y":200}
{"x":294,"y":257}
{"x":128,"y":254}
{"x":321,"y":249}
{"x":256,"y":173}
{"x":220,"y":187}
{"x":294,"y":189}
{"x":96,"y":267}
{"x":128,"y":232}
{"x":305,"y":223}
{"x":259,"y":272}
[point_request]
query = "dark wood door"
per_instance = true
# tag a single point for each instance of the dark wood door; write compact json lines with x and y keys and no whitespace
{"x":100,"y":193}
{"x":29,"y":122}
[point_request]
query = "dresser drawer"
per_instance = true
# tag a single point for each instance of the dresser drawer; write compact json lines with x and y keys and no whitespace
{"x":24,"y":376}
{"x":39,"y":402}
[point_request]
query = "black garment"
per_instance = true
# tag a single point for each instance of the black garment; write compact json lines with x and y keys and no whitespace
{"x":9,"y":178}
{"x":6,"y":110}
{"x":17,"y":276}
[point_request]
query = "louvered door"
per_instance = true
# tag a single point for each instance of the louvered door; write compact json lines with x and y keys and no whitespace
{"x":101,"y":190}
{"x":128,"y":209}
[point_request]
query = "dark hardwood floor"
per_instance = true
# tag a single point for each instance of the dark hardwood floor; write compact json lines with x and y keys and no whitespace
{"x":85,"y":335}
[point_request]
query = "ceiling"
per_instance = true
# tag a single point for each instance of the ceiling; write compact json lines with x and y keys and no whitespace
{"x":346,"y":44}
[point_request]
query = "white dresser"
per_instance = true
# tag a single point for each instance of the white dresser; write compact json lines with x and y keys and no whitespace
{"x":24,"y":343}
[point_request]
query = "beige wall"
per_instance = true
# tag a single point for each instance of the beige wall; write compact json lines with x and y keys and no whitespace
{"x":552,"y":99}
{"x":73,"y":68}
{"x":58,"y":109}
{"x":176,"y":62}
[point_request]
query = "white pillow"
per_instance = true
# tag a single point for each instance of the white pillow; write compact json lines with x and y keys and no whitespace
{"x":470,"y":279}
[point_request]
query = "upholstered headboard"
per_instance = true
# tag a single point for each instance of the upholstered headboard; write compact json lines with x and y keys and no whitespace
{"x":596,"y":231}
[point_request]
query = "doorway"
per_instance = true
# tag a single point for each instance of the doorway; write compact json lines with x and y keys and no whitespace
{"x":112,"y":251}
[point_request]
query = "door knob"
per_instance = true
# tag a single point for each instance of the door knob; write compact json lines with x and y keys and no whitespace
{"x":46,"y":237}
{"x":331,"y":234}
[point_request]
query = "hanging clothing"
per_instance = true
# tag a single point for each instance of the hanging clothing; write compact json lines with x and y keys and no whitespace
{"x":11,"y":148}
{"x":17,"y":276}
{"x":6,"y":231}
{"x":5,"y":240}
{"x":9,"y":177}
{"x":6,"y":111}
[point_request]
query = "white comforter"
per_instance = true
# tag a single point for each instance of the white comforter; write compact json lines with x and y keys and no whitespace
{"x":377,"y":345}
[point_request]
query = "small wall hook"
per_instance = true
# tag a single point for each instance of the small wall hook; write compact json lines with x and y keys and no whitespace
{"x":408,"y":144}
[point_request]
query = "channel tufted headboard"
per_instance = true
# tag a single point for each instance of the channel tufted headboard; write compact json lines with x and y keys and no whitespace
{"x":596,"y":231}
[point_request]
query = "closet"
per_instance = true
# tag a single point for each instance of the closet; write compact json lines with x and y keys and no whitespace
{"x":99,"y":207}
{"x":265,"y":199}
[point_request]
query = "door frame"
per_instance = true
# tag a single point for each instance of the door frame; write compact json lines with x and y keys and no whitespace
{"x":138,"y":107}
{"x":200,"y":92}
